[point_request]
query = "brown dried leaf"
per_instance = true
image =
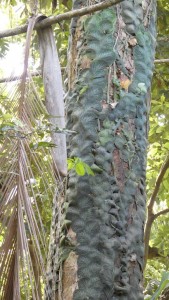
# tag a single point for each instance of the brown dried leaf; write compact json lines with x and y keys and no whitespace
{"x":125,"y":84}
{"x":132,"y":42}
{"x":85,"y":63}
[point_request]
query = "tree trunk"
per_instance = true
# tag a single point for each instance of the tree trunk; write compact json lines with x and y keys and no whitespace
{"x":110,"y":69}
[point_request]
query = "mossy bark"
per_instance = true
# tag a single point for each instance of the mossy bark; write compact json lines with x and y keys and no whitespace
{"x":111,"y":60}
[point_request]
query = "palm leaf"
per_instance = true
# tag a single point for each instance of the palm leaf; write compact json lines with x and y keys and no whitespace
{"x":27,"y":189}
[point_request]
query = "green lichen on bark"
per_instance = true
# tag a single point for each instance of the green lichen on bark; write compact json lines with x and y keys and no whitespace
{"x":107,"y":210}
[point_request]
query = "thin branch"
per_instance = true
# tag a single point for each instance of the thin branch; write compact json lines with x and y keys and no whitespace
{"x":151,"y":216}
{"x":162,"y":212}
{"x":163,"y":39}
{"x":147,"y":233}
{"x":56,"y":19}
{"x":161,"y":61}
{"x":161,"y":174}
{"x":149,"y":223}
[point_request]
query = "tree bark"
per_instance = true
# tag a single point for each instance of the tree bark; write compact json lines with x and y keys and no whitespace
{"x":110,"y":70}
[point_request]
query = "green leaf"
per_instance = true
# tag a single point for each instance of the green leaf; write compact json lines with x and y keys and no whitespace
{"x":116,"y":82}
{"x":7,"y":116}
{"x":41,"y":134}
{"x":107,"y":124}
{"x":88,"y":170}
{"x":83,"y":90}
{"x":166,"y":184}
{"x":142,"y":87}
{"x":79,"y":168}
{"x":159,"y":129}
{"x":96,"y":169}
{"x":13,"y":2}
{"x":162,"y":98}
{"x":105,"y":136}
{"x":70,"y":163}
{"x":41,"y":144}
{"x":6,"y":128}
{"x":46,"y":144}
{"x":166,"y":145}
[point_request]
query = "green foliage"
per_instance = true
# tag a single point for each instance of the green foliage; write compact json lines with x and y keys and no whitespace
{"x":12,"y":127}
{"x":159,"y":149}
{"x":164,"y":282}
{"x":79,"y":166}
{"x":42,"y":144}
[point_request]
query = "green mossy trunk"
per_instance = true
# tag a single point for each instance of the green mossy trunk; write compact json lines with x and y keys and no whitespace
{"x":110,"y":71}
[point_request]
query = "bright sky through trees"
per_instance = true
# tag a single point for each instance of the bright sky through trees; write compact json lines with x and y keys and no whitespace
{"x":13,"y":61}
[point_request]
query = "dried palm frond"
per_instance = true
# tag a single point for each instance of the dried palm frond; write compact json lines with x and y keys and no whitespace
{"x":27,"y":189}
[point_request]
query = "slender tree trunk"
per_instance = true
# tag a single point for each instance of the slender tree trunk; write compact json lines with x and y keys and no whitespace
{"x":110,"y":69}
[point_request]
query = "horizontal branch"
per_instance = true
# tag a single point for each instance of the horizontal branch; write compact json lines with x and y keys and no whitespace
{"x":162,"y":212}
{"x":163,"y":38}
{"x":161,"y":61}
{"x":56,"y":19}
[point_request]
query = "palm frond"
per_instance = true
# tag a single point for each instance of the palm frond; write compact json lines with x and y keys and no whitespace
{"x":27,"y":189}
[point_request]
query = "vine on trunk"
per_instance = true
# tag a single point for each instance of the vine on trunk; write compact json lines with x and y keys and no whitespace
{"x":111,"y":64}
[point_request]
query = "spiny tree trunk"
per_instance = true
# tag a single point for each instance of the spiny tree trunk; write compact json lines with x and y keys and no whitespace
{"x":110,"y":69}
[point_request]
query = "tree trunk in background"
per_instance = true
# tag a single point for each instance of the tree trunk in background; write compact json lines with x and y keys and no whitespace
{"x":110,"y":69}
